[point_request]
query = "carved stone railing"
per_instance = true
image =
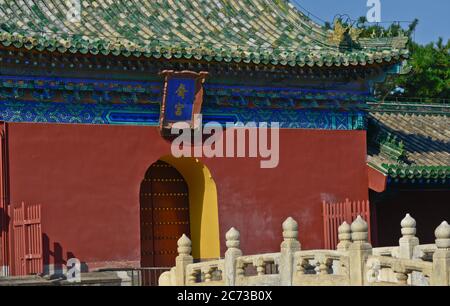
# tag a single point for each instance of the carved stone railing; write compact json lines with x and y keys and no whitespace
{"x":424,"y":252}
{"x":321,"y":267}
{"x":402,"y":270}
{"x":354,"y":262}
{"x":258,"y":270}
{"x":386,"y":251}
{"x":383,"y":265}
{"x":210,"y":273}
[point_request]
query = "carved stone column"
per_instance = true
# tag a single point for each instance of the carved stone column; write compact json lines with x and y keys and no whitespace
{"x":183,"y":259}
{"x":232,"y":253}
{"x":359,"y":250}
{"x":289,"y":246}
{"x":441,"y":258}
{"x":408,"y":241}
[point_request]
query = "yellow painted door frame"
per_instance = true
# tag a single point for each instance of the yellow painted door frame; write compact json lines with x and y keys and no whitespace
{"x":203,"y":206}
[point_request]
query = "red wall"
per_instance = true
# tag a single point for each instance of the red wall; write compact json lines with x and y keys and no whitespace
{"x":87,"y":178}
{"x":377,"y":180}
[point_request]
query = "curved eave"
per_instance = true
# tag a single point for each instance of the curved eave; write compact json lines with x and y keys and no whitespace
{"x":298,"y":58}
{"x":413,"y":172}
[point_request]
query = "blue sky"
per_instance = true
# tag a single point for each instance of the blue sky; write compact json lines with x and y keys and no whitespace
{"x":433,"y":15}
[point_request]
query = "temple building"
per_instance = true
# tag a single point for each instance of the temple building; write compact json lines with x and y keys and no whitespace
{"x":409,"y":165}
{"x":88,"y":95}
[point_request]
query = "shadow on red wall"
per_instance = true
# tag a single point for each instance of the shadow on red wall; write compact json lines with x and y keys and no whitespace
{"x":55,"y":260}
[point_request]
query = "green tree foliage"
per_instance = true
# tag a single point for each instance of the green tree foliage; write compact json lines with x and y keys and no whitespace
{"x":430,"y":74}
{"x":376,"y":30}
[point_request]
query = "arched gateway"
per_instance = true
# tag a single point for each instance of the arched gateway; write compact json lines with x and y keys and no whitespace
{"x":164,"y":201}
{"x":178,"y":196}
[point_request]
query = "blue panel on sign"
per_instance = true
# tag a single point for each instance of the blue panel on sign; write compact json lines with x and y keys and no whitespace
{"x":180,"y":99}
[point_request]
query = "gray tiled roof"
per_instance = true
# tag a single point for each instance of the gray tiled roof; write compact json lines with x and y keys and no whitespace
{"x":410,"y":139}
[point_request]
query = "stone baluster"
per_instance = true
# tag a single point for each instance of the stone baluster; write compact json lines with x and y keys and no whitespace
{"x":324,"y":265}
{"x":400,"y":272}
{"x":207,"y":273}
{"x":240,"y":268}
{"x":183,"y":259}
{"x":359,"y":250}
{"x":289,"y":246}
{"x":408,"y":241}
{"x":345,"y":237}
{"x":345,"y":240}
{"x":231,"y":254}
{"x":260,"y":266}
{"x":402,"y":278}
{"x":192,"y":277}
{"x":441,"y":257}
{"x":302,"y":263}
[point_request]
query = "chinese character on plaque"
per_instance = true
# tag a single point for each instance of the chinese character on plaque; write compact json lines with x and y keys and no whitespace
{"x":182,"y":97}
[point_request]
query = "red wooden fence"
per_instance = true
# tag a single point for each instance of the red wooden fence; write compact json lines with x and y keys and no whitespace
{"x":27,"y":240}
{"x":334,"y":214}
{"x":4,"y":219}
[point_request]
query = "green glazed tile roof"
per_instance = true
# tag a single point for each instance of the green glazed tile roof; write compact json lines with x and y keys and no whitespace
{"x":249,"y":31}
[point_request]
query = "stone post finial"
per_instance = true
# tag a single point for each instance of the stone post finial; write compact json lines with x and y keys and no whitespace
{"x":359,"y":229}
{"x":345,"y":236}
{"x":290,"y":229}
{"x":408,"y":242}
{"x":442,"y":234}
{"x":441,"y":258}
{"x":183,"y":259}
{"x":359,"y":250}
{"x":345,"y":232}
{"x":232,"y":253}
{"x":408,"y":225}
{"x":289,"y":246}
{"x":184,"y":245}
{"x":232,"y":238}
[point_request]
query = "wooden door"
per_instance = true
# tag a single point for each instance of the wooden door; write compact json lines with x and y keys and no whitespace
{"x":164,"y":214}
{"x":4,"y":218}
{"x":27,"y":242}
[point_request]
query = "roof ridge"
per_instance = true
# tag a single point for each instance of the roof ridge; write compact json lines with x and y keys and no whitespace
{"x":423,"y":113}
{"x":408,"y":108}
